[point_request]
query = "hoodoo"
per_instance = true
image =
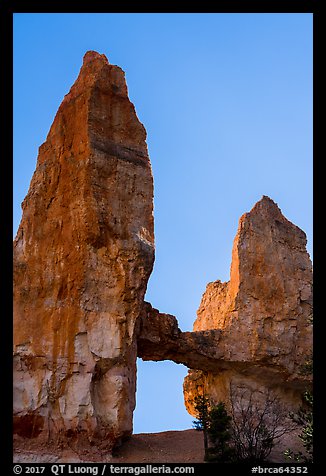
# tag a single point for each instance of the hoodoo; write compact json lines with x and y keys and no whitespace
{"x":82,"y":258}
{"x":264,"y":313}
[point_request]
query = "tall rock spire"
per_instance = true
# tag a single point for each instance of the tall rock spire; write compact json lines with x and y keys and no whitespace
{"x":265,"y":307}
{"x":263,"y":312}
{"x":82,"y":257}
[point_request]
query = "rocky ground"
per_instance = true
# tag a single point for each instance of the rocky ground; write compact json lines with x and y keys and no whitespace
{"x":165,"y":447}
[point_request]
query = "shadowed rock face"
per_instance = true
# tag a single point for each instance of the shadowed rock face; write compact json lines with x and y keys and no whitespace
{"x":159,"y":338}
{"x":82,"y":258}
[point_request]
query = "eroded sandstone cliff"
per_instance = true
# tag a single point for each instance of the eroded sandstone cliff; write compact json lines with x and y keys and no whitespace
{"x":82,"y":258}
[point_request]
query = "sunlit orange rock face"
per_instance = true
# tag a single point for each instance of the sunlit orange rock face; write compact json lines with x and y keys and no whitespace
{"x":263,"y":313}
{"x":82,"y":258}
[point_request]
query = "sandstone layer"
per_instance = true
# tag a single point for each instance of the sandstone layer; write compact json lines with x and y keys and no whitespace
{"x":263,"y":313}
{"x":82,"y":258}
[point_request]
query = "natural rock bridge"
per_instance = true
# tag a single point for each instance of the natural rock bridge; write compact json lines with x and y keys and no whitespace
{"x":83,"y":255}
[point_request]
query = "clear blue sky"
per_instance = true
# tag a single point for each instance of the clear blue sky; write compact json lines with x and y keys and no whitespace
{"x":226,"y":100}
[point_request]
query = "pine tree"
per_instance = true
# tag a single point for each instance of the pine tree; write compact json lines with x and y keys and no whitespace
{"x":201,"y":403}
{"x":219,"y":432}
{"x":215,"y":424}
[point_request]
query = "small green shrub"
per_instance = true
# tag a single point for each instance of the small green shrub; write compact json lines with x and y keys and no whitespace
{"x":304,"y":418}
